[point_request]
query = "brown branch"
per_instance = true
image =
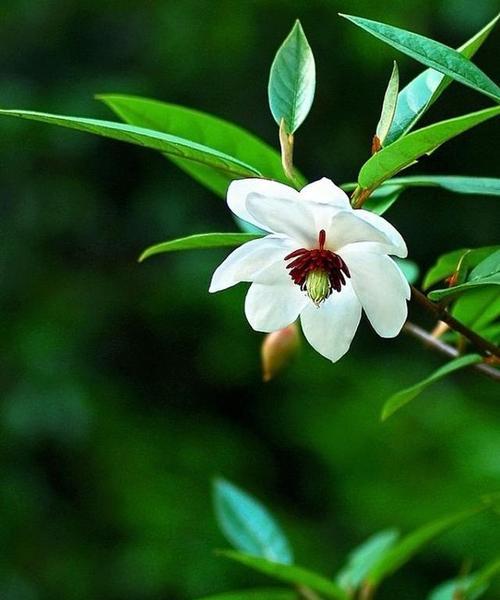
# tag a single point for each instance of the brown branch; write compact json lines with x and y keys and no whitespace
{"x":483,"y":345}
{"x":436,"y":344}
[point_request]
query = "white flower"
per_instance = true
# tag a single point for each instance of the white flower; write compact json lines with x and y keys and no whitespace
{"x":322,"y":260}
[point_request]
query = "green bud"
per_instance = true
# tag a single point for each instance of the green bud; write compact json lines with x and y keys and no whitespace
{"x":318,"y":286}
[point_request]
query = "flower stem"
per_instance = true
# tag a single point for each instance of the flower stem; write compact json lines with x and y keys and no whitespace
{"x":436,"y":344}
{"x":483,"y":345}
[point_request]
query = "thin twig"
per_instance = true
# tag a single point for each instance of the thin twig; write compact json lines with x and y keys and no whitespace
{"x":440,"y":346}
{"x":483,"y":345}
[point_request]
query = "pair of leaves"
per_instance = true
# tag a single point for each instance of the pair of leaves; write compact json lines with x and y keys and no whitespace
{"x":264,"y":547}
{"x":486,"y":272}
{"x":433,"y":54}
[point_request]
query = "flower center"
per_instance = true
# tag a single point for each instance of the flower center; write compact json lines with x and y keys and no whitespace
{"x":319,"y":271}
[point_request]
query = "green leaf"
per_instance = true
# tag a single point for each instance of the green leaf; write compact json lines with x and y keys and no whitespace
{"x":478,"y":309}
{"x":409,"y":268}
{"x":457,"y":588}
{"x":364,"y":557}
{"x":416,"y":97}
{"x":433,"y":54}
{"x":448,"y":263}
{"x":289,"y":573}
{"x":168,"y":144}
{"x":292,"y":80}
{"x":487,"y":186}
{"x":408,"y":546}
{"x":486,"y":273}
{"x":256,"y":594}
{"x":402,"y":398}
{"x":402,"y":153}
{"x":388,"y":106}
{"x":200,"y":240}
{"x":201,"y":128}
{"x":469,"y":587}
{"x":248,"y":525}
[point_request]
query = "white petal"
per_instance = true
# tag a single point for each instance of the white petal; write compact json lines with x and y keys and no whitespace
{"x":287,"y":216}
{"x":347,"y":228}
{"x":380,"y":287}
{"x":397,"y":243}
{"x":240,"y":189}
{"x":272,"y":307}
{"x":330,"y":327}
{"x":326,"y":192}
{"x":245,"y":262}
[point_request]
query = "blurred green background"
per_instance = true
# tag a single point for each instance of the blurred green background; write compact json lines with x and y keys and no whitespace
{"x":125,"y":388}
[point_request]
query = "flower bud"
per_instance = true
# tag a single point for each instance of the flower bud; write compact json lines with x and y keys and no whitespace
{"x":318,"y":285}
{"x":278,"y":349}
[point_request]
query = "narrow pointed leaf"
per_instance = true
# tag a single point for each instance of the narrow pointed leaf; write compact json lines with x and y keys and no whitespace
{"x":288,"y":573}
{"x":248,"y":525}
{"x":487,"y":186}
{"x":388,"y":106}
{"x":416,"y":97}
{"x":408,"y":546}
{"x":403,"y":397}
{"x":433,"y":54}
{"x":198,"y":241}
{"x":169,"y":144}
{"x":201,"y":128}
{"x":402,"y":153}
{"x":292,"y":80}
{"x":256,"y":594}
{"x":364,"y":557}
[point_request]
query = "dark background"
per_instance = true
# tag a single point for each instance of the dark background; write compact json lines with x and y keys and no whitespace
{"x":125,"y":388}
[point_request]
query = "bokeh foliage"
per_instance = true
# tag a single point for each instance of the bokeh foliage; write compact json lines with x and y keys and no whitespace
{"x":126,"y":387}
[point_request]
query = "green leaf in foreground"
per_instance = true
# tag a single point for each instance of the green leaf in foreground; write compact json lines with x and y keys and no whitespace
{"x":479,"y":309}
{"x":156,"y":140}
{"x":402,"y":398}
{"x":388,"y":106}
{"x":486,"y":273}
{"x":201,"y":128}
{"x":418,"y":95}
{"x":433,"y":54}
{"x":405,"y":151}
{"x":292,"y":80}
{"x":460,"y":184}
{"x":289,"y":573}
{"x":408,"y":546}
{"x":256,"y":594}
{"x":248,"y":525}
{"x":364,"y":557}
{"x":463,"y":259}
{"x":199,"y":241}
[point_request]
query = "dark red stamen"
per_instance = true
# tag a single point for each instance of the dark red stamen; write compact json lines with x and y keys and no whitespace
{"x":318,"y":259}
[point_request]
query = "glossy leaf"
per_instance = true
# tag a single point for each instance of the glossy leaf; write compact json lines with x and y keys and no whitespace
{"x":402,"y":398}
{"x":433,"y":54}
{"x":408,"y":546}
{"x":478,"y":309}
{"x":248,"y":525}
{"x":464,"y":258}
{"x":402,"y":153}
{"x":388,"y":106}
{"x":486,"y":186}
{"x":289,"y":573}
{"x":256,"y":594}
{"x":201,"y":128}
{"x":364,"y":557}
{"x":198,"y":241}
{"x":168,"y":144}
{"x":416,"y":97}
{"x":486,"y":273}
{"x":292,"y":80}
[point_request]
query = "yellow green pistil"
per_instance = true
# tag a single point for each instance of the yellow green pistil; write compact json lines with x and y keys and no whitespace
{"x":319,"y":271}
